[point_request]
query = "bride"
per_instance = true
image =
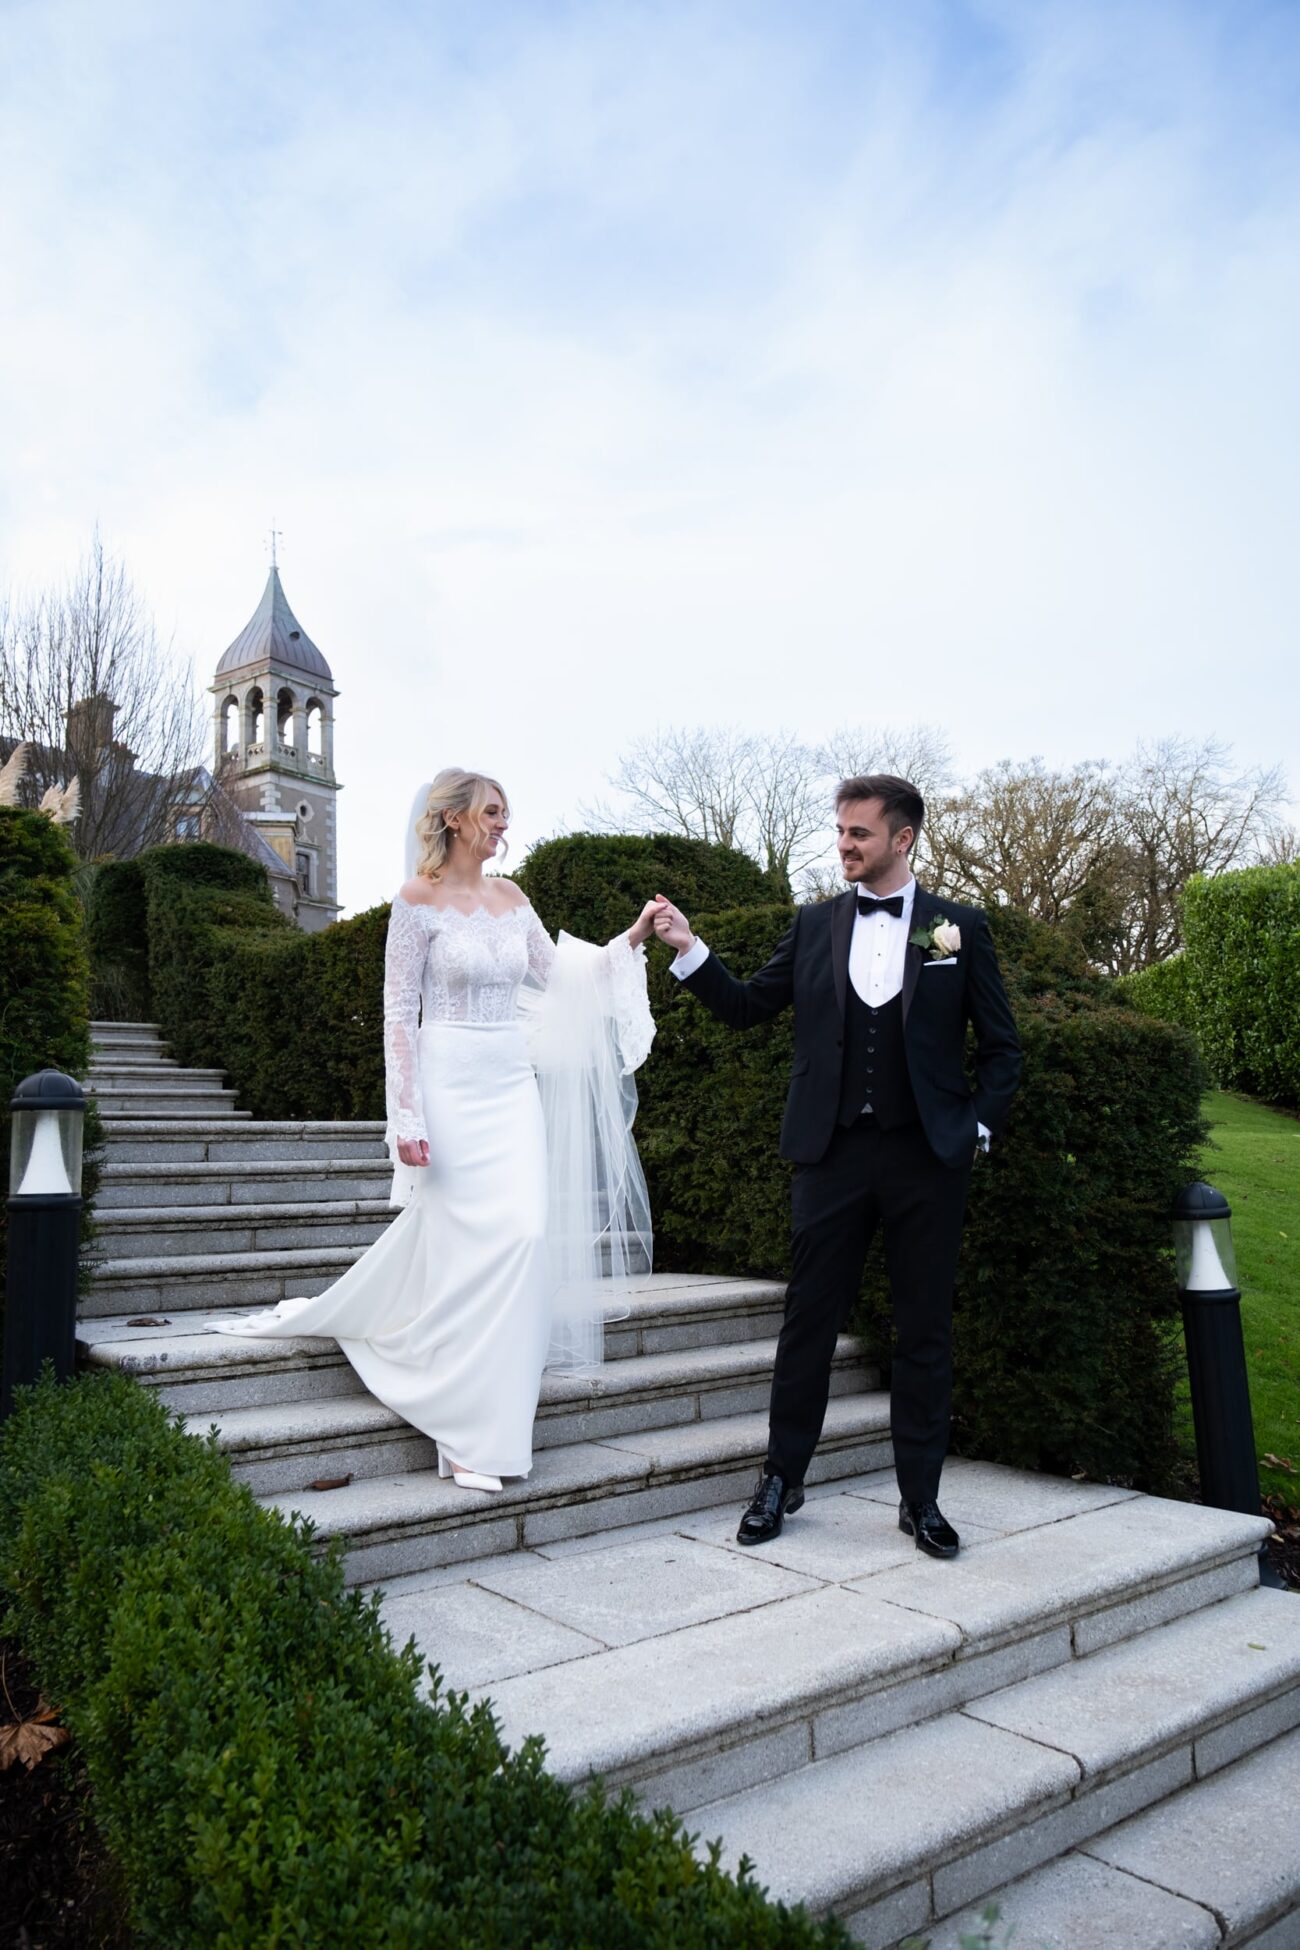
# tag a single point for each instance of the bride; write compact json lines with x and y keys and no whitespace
{"x":509,"y":1064}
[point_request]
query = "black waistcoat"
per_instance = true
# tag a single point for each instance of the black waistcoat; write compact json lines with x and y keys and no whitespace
{"x":875,"y":1064}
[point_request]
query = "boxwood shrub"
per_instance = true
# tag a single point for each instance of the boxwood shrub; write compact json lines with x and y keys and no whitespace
{"x":262,"y":1763}
{"x":1066,"y":1343}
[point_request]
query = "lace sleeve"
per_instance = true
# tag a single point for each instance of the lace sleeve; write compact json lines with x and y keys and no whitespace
{"x":541,"y":951}
{"x":404,"y":956}
{"x":627,"y":1001}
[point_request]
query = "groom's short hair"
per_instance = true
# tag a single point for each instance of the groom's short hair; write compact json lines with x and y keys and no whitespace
{"x":901,"y":802}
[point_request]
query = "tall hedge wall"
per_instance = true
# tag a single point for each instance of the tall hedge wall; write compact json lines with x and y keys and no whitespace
{"x":1066,"y":1346}
{"x":44,"y":974}
{"x":1235,"y":985}
{"x":1243,"y":972}
{"x":593,"y":884}
{"x":263,"y":1765}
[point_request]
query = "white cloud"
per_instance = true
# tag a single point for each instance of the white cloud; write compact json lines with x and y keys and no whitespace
{"x":613,"y":365}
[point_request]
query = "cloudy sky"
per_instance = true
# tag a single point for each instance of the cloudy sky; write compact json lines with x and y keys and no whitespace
{"x":607,"y":365}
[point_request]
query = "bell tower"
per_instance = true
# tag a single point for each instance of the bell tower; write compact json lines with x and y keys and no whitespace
{"x":273,"y":730}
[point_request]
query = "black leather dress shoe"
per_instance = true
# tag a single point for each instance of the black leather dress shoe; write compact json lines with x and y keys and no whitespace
{"x":774,"y":1500}
{"x":931,"y":1529}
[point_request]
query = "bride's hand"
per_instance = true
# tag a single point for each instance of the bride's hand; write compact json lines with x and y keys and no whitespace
{"x":413,"y":1151}
{"x":644,"y":925}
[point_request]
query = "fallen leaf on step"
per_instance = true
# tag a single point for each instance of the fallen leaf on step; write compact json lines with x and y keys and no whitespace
{"x":330,"y":1483}
{"x":1253,"y":1645}
{"x":147,"y":1320}
{"x":1280,"y":1462}
{"x":30,"y":1740}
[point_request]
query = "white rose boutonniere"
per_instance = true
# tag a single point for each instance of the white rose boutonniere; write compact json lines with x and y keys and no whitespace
{"x":939,"y":942}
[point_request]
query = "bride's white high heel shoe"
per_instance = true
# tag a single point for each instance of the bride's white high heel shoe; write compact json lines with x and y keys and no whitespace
{"x":467,"y":1479}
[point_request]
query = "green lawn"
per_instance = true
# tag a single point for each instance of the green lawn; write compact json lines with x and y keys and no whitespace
{"x":1254,"y":1158}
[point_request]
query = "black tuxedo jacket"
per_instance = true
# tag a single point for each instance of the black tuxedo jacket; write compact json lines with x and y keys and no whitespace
{"x":810,"y":969}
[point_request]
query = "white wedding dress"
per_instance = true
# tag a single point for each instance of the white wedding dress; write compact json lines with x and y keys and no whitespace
{"x":514,"y":1237}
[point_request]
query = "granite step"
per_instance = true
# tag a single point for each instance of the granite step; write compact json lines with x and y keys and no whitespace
{"x":137,"y":1062}
{"x":165,"y":1074}
{"x":125,"y":1035}
{"x":257,"y":1182}
{"x":140,"y":1100}
{"x":846,"y":1636}
{"x":166,"y":1283}
{"x":924,"y":1822}
{"x":279,"y":1445}
{"x":391,"y":1525}
{"x":1216,"y":1864}
{"x":223,"y":1231}
{"x":168,"y":1141}
{"x":714,"y":1316}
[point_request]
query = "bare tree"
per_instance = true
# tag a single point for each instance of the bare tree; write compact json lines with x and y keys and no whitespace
{"x":1184,"y":811}
{"x":85,"y":681}
{"x":1024,"y":836}
{"x":917,"y":752}
{"x":762,"y":792}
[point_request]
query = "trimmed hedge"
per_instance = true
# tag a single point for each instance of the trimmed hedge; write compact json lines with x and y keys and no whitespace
{"x":44,"y":976}
{"x":595,"y":884}
{"x":1065,"y":1337}
{"x":1162,"y":991}
{"x":262,"y":1764}
{"x":117,"y":936}
{"x":1243,"y":973}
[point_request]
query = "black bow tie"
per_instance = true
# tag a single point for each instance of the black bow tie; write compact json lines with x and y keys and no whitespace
{"x":891,"y":904}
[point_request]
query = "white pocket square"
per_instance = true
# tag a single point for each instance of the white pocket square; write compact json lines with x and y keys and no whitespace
{"x":944,"y":961}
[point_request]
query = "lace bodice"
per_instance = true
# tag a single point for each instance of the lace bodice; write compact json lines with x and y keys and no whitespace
{"x":442,"y":965}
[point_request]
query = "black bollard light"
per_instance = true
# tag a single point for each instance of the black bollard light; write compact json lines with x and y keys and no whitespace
{"x":1216,"y":1353}
{"x":49,"y":1112}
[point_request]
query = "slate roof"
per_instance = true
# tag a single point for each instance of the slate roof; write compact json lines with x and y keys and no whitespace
{"x":273,"y":634}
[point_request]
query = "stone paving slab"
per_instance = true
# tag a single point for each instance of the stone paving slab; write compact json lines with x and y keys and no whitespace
{"x":1160,"y":1689}
{"x":474,"y":1636}
{"x":642,"y":1590}
{"x":1078,"y":1904}
{"x":1072,"y":1565}
{"x":835,"y":1537}
{"x":719,"y":1679}
{"x":1001,"y":1499}
{"x":1231,"y":1843}
{"x":846,"y":1830}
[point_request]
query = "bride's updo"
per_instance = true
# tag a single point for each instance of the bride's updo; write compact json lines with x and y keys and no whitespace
{"x":457,"y":793}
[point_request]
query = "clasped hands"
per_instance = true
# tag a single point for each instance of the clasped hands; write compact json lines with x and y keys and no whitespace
{"x":660,"y":917}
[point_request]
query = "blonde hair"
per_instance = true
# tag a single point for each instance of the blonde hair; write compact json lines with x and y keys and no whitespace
{"x":453,"y":791}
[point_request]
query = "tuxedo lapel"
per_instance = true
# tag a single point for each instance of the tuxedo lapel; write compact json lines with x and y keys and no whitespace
{"x":923,"y":906}
{"x":843,"y":916}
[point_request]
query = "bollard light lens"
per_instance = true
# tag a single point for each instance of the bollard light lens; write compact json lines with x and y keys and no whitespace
{"x":1205,"y":1258}
{"x":45,"y":1155}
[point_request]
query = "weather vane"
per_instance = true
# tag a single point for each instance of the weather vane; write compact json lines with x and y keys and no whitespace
{"x":277,"y":536}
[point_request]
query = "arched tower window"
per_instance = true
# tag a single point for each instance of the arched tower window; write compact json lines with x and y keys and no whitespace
{"x":230,"y":725}
{"x":254,"y":716}
{"x":284,"y":717}
{"x":315,"y":727}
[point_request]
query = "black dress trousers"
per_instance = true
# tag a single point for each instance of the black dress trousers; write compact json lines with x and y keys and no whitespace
{"x":868,"y":1178}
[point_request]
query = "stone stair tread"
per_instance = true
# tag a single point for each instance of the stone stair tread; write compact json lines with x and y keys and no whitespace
{"x":260,"y":1127}
{"x":1160,"y":1688}
{"x":146,"y":1351}
{"x":202,"y":1171}
{"x":571,"y":1470}
{"x":143,"y":1218}
{"x":894,"y":1809}
{"x":618,"y":1710}
{"x":189,"y":1266}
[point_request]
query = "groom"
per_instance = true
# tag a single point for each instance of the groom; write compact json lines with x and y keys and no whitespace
{"x":882,"y":1125}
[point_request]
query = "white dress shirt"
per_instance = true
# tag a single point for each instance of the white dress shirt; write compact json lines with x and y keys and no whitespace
{"x":877,"y":956}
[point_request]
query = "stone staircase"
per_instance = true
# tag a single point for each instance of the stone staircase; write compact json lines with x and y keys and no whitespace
{"x":1075,"y":1716}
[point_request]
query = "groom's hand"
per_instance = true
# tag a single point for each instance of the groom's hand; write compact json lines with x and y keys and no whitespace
{"x":672,"y":926}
